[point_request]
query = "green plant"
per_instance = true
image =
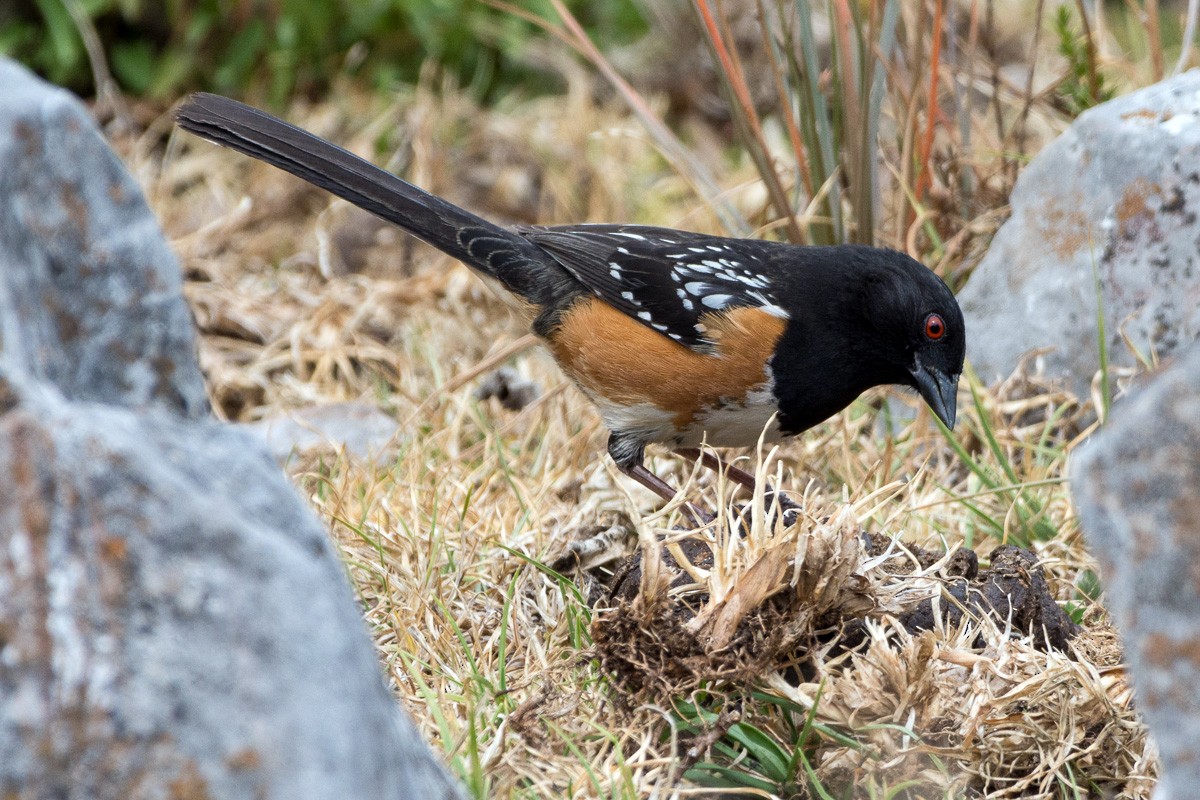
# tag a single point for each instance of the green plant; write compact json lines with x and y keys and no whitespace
{"x":160,"y":49}
{"x":1084,"y":84}
{"x":772,"y":757}
{"x":1026,"y":519}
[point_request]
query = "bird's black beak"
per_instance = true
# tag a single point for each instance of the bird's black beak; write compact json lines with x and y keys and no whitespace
{"x":939,"y":390}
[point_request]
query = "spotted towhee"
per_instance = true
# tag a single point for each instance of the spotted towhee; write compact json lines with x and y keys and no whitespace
{"x":678,"y":338}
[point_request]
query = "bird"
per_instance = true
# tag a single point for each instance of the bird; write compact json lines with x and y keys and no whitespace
{"x":678,"y":338}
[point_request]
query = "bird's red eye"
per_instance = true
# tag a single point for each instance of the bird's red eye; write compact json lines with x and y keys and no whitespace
{"x":935,"y":328}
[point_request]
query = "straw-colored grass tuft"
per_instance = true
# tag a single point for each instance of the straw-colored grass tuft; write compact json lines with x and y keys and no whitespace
{"x":730,"y":603}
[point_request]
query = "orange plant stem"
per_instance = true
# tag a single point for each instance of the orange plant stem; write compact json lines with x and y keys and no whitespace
{"x":925,"y":175}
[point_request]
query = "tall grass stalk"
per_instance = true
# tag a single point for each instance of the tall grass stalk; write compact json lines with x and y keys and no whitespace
{"x":832,"y":169}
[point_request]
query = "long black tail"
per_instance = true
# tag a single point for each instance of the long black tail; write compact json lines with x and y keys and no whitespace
{"x":516,"y":262}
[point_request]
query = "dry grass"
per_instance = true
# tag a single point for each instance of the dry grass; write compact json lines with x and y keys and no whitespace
{"x":447,"y":540}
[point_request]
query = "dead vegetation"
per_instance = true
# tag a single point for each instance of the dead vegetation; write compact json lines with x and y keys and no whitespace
{"x":773,"y":660}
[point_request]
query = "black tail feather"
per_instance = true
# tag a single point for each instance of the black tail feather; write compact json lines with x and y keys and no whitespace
{"x":517,"y":263}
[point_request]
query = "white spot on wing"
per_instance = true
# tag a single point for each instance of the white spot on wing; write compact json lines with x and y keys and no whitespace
{"x":716,"y":300}
{"x":645,"y":316}
{"x":749,"y":279}
{"x":768,"y":305}
{"x":635,"y":236}
{"x":628,"y":296}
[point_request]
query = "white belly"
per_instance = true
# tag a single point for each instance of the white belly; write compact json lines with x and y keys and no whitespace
{"x":728,"y":425}
{"x":737,"y":426}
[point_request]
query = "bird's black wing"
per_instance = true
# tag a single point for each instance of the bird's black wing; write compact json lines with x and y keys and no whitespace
{"x":665,"y":279}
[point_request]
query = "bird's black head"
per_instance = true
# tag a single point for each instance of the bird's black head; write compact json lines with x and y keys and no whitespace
{"x":863,"y":317}
{"x":919,"y":335}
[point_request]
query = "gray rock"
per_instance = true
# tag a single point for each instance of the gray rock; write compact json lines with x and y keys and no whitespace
{"x":1115,"y":198}
{"x":363,"y":430}
{"x":172,"y":615}
{"x":174,"y":623}
{"x":1137,"y":488}
{"x":90,"y":294}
